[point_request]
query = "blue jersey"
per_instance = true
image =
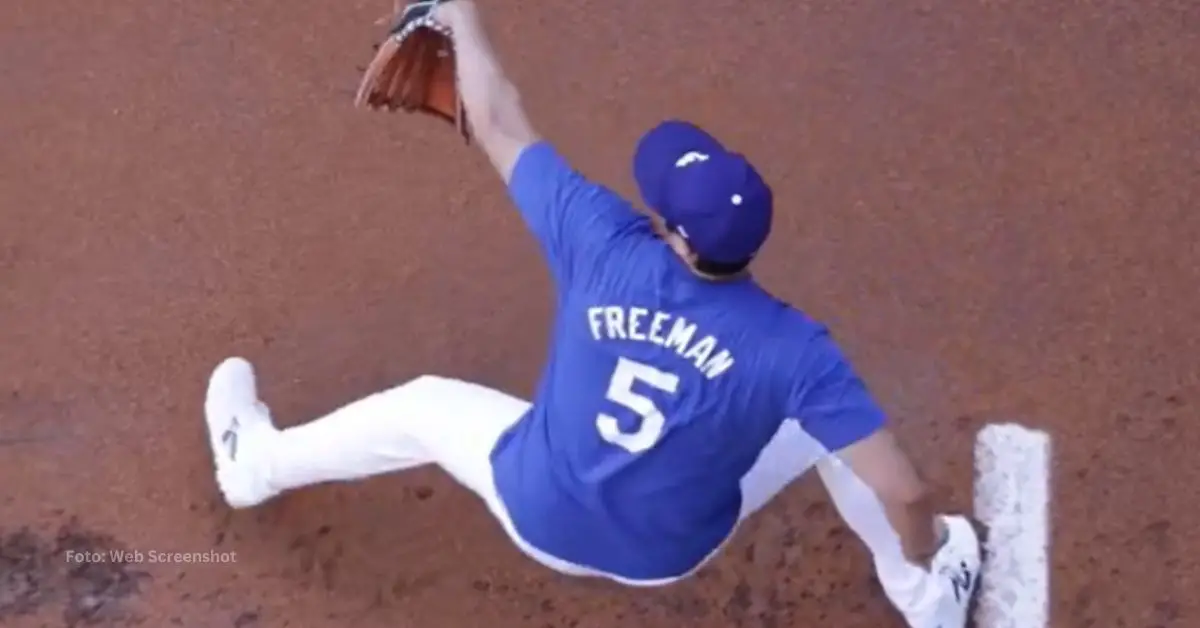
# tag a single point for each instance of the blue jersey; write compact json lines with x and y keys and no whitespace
{"x":659,"y":391}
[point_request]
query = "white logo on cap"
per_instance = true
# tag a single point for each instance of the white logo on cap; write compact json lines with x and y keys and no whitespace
{"x":737,"y":199}
{"x":690,"y":158}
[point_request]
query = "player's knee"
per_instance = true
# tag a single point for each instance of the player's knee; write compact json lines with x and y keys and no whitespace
{"x":429,"y":384}
{"x":427,"y":381}
{"x":425,"y":390}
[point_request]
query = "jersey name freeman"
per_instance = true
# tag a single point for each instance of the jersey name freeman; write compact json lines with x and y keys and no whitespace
{"x":676,"y":333}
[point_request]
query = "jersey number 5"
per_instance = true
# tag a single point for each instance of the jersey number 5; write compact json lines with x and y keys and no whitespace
{"x":651,"y":419}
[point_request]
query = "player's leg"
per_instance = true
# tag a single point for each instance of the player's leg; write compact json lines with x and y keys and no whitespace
{"x":451,"y":423}
{"x":878,"y":493}
{"x":861,"y":478}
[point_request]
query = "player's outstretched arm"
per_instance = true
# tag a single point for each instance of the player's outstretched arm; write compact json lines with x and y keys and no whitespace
{"x":873,"y":482}
{"x":879,"y":463}
{"x":493,"y":105}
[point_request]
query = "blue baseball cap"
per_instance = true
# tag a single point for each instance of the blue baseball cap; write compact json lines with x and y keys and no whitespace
{"x":712,"y":197}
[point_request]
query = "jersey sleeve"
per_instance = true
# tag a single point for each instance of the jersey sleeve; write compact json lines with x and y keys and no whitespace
{"x":830,"y":401}
{"x":573,"y":219}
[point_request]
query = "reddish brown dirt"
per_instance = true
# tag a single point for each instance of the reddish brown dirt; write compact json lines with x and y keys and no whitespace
{"x":993,"y":203}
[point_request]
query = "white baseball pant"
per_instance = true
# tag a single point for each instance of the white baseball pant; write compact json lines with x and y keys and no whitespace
{"x":456,"y":424}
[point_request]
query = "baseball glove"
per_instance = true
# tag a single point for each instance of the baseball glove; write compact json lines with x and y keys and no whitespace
{"x":414,"y":68}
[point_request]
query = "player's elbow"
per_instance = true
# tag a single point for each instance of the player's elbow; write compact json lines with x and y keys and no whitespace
{"x":503,"y":119}
{"x":899,"y":485}
{"x":879,"y":462}
{"x":902,"y":485}
{"x":907,"y":491}
{"x":502,"y":129}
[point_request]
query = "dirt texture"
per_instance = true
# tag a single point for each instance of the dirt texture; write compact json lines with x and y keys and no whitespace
{"x":992,"y":203}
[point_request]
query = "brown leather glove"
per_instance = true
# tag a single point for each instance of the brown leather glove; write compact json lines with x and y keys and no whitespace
{"x":413,"y":69}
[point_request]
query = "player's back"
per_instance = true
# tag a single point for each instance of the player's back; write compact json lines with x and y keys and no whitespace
{"x":661,"y":390}
{"x":661,"y":387}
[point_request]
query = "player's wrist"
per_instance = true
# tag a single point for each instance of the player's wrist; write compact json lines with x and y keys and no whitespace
{"x":453,"y":12}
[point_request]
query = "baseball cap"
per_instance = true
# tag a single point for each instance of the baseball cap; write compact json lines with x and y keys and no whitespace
{"x":712,"y":197}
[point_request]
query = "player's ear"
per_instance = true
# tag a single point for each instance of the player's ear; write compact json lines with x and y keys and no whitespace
{"x":656,"y":223}
{"x":679,"y":245}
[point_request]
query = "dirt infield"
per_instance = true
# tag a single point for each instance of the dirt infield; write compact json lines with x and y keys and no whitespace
{"x":992,"y":203}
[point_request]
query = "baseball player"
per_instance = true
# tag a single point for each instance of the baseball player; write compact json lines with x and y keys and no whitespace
{"x":678,"y":396}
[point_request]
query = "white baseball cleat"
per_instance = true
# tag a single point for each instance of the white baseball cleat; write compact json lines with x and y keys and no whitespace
{"x":956,"y":567}
{"x":945,"y":595}
{"x":241,"y":434}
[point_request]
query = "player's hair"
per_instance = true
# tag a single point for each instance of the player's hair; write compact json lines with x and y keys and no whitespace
{"x":720,"y":269}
